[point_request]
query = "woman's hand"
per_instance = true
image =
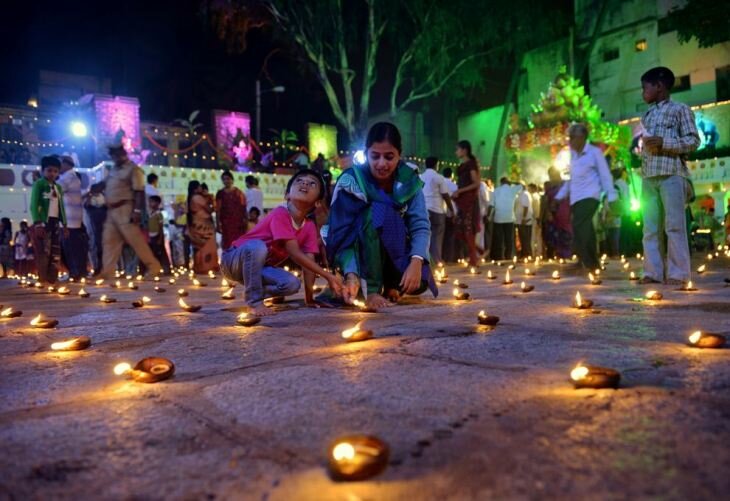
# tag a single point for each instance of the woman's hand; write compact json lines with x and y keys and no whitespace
{"x":455,"y":194}
{"x":351,"y":288}
{"x":411,"y":280}
{"x":336,"y":285}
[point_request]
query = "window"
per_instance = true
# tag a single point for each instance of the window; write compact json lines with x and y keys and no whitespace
{"x":722,"y":81}
{"x":681,"y":84}
{"x":641,"y":45}
{"x":610,"y":55}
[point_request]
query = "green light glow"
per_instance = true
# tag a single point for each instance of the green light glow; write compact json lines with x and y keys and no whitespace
{"x":322,"y":139}
{"x":635,"y":205}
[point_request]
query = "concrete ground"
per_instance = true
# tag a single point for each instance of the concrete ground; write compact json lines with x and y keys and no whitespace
{"x":469,"y":413}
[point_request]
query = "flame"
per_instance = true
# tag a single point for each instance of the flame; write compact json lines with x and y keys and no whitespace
{"x":83,"y":281}
{"x":6,"y":312}
{"x":157,"y":279}
{"x":489,"y":274}
{"x":632,"y":275}
{"x":626,"y":266}
{"x":228,"y":293}
{"x":441,"y":265}
{"x":702,"y":268}
{"x":211,"y":274}
{"x":37,"y":319}
{"x":122,"y":368}
{"x":99,"y":282}
{"x":224,"y":283}
{"x":196,"y":281}
{"x":103,"y":297}
{"x":128,"y":277}
{"x":63,"y":290}
{"x":578,"y":299}
{"x":343,"y":452}
{"x":651,"y":294}
{"x":244,"y":315}
{"x":591,"y":277}
{"x":527,"y":271}
{"x":358,"y":303}
{"x":62,"y":345}
{"x":348,"y":333}
{"x":556,"y":274}
{"x":638,"y":255}
{"x":482,"y":314}
{"x":690,"y":285}
{"x":456,"y":282}
{"x":140,"y":278}
{"x":130,"y":285}
{"x":171,"y":281}
{"x":579,"y":372}
{"x":181,"y":291}
{"x":182,"y":303}
{"x":523,"y":285}
{"x":695,"y":337}
{"x":598,"y":271}
{"x":146,"y":299}
{"x":82,"y":291}
{"x":472,"y":270}
{"x":118,"y":284}
{"x":506,"y":276}
{"x":456,"y":291}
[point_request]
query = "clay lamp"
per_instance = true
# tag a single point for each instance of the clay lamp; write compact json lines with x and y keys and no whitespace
{"x":561,"y":261}
{"x":587,"y":376}
{"x":75,"y":344}
{"x":159,"y":289}
{"x":701,"y":269}
{"x":529,"y":272}
{"x":224,"y":283}
{"x":459,"y":295}
{"x":688,"y":287}
{"x":363,"y":307}
{"x":356,"y":333}
{"x":556,"y":275}
{"x":147,"y":370}
{"x":701,"y":339}
{"x":485,"y":319}
{"x":182,"y":293}
{"x":190,"y":308}
{"x":43,"y":323}
{"x":270,"y":301}
{"x":632,"y":276}
{"x":139,"y":278}
{"x":357,"y":457}
{"x":460,"y":285}
{"x":106,"y":299}
{"x":141,"y":302}
{"x":83,"y":293}
{"x":247,"y":319}
{"x":132,"y":286}
{"x":171,"y":281}
{"x":582,"y":304}
{"x":211,"y":275}
{"x":156,"y":279}
{"x":128,"y":277}
{"x":627,"y":265}
{"x":64,"y":291}
{"x":474,"y":271}
{"x":117,"y":284}
{"x":639,"y":256}
{"x":490,"y":275}
{"x":51,"y":289}
{"x":99,"y":281}
{"x":227,"y":295}
{"x":594,"y":280}
{"x":507,"y":279}
{"x":198,"y":283}
{"x":10,"y":313}
{"x":654,"y":295}
{"x":526,"y":288}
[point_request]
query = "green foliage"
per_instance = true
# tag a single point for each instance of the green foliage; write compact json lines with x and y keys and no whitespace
{"x":705,"y":20}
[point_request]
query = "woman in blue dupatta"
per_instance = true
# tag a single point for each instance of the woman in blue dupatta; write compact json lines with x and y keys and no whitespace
{"x":378,"y":230}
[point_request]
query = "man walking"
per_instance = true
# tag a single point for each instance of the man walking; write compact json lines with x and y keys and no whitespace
{"x":503,"y":207}
{"x":436,"y":193}
{"x":124,"y":189}
{"x":523,"y":220}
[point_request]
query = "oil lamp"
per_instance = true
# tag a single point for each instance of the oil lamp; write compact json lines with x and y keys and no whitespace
{"x":357,"y":457}
{"x":700,"y":339}
{"x":356,"y":333}
{"x":99,"y":281}
{"x":227,"y":295}
{"x":582,"y":304}
{"x":529,"y":272}
{"x":50,"y":288}
{"x":117,"y":284}
{"x":10,"y":313}
{"x":141,"y":302}
{"x":457,"y":284}
{"x":43,"y":323}
{"x":139,"y":278}
{"x":632,"y":276}
{"x":654,"y":295}
{"x":182,"y":293}
{"x":106,"y":299}
{"x":594,"y":280}
{"x":171,"y":281}
{"x":83,"y":293}
{"x":638,"y":255}
{"x":688,"y":287}
{"x":269,"y":301}
{"x":147,"y":370}
{"x":156,"y":279}
{"x":526,"y":288}
{"x":440,"y":276}
{"x":363,"y":307}
{"x":247,"y":319}
{"x":561,"y":261}
{"x":159,"y":289}
{"x":74,"y":344}
{"x":132,"y":286}
{"x":128,"y":277}
{"x":701,"y":269}
{"x":627,"y":265}
{"x":556,"y":275}
{"x":190,"y":308}
{"x":198,"y":283}
{"x":64,"y":291}
{"x":224,"y":283}
{"x":460,"y":296}
{"x":485,"y":319}
{"x":474,"y":271}
{"x":507,"y":279}
{"x":211,"y":274}
{"x":490,"y":275}
{"x":587,"y":376}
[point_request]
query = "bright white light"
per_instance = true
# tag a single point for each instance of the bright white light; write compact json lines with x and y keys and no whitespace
{"x":359,"y":157}
{"x":79,"y":129}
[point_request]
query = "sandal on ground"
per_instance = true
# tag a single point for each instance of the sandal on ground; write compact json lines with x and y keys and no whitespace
{"x":648,"y":280}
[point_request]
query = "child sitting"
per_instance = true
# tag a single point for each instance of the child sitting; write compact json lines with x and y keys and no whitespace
{"x":254,"y":259}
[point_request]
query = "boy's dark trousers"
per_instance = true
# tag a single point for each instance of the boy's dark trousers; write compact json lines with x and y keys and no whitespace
{"x":503,"y":240}
{"x":75,"y":252}
{"x":157,"y":246}
{"x":47,"y":251}
{"x":584,"y":235}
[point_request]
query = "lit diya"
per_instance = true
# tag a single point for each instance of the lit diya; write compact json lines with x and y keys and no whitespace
{"x":654,"y":295}
{"x":198,"y":283}
{"x":99,"y":281}
{"x":460,"y":296}
{"x":156,"y":279}
{"x":247,"y":319}
{"x":701,"y":269}
{"x":526,"y":288}
{"x":700,"y":339}
{"x":688,"y":287}
{"x":106,"y":299}
{"x":228,"y":294}
{"x":171,"y":281}
{"x":556,"y":275}
{"x":75,"y":344}
{"x":132,"y":286}
{"x":83,"y":293}
{"x":529,"y":272}
{"x":190,"y":308}
{"x":363,"y":307}
{"x":139,"y":278}
{"x":10,"y":313}
{"x":182,"y":293}
{"x":485,"y":319}
{"x":632,"y":276}
{"x":582,"y":304}
{"x":474,"y":271}
{"x":356,"y":333}
{"x":141,"y":302}
{"x":627,"y":266}
{"x":64,"y":291}
{"x":38,"y":285}
{"x":463,"y":286}
{"x":594,"y":280}
{"x":147,"y":370}
{"x":587,"y":376}
{"x":440,"y":277}
{"x":224,"y":283}
{"x":211,"y":274}
{"x":507,"y":279}
{"x":490,"y":275}
{"x":51,"y":289}
{"x":159,"y":289}
{"x":357,"y":457}
{"x":269,"y":301}
{"x":43,"y":323}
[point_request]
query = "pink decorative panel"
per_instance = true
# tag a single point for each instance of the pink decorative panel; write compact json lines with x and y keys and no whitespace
{"x":115,"y":114}
{"x":228,"y":124}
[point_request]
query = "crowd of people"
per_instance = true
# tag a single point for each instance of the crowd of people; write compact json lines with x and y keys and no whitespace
{"x":377,"y":235}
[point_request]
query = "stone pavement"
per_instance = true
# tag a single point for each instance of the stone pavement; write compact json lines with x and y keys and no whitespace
{"x":469,"y":413}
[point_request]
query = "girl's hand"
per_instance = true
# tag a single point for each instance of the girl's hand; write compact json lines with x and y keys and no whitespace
{"x":335,"y":283}
{"x":351,"y":288}
{"x":411,"y":280}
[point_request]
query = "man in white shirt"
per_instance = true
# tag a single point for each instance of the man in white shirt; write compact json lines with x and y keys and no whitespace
{"x":74,"y":241}
{"x":589,"y":176}
{"x":503,"y":207}
{"x":254,"y":196}
{"x":537,"y":247}
{"x":448,"y":251}
{"x":523,"y":220}
{"x":436,"y":193}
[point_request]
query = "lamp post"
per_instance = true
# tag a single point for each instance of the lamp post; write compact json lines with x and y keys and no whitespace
{"x":278,"y":89}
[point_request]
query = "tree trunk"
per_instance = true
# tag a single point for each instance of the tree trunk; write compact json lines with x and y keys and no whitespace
{"x":513,"y":82}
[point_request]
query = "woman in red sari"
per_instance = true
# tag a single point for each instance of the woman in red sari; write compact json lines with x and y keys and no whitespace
{"x":466,"y":198}
{"x":230,"y":205}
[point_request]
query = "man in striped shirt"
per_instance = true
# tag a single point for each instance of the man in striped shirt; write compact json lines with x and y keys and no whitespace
{"x":670,"y":135}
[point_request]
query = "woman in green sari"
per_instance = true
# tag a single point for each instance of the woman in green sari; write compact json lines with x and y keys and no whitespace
{"x":378,"y":231}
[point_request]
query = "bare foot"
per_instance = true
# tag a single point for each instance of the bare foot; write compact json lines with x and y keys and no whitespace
{"x":377,"y":301}
{"x":393,"y":295}
{"x":261,"y":311}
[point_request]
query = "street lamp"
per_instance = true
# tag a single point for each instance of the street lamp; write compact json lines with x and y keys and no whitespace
{"x":278,"y":89}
